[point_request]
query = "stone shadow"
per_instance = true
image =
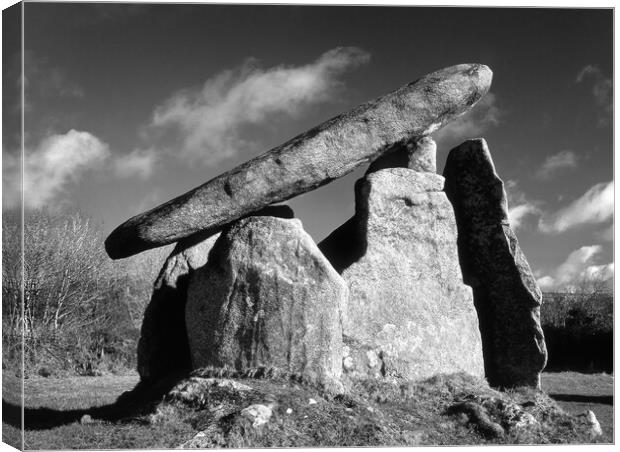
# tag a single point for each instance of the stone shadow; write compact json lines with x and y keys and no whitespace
{"x":600,"y":399}
{"x":139,"y":401}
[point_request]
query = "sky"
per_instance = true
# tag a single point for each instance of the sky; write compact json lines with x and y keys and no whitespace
{"x":128,"y":106}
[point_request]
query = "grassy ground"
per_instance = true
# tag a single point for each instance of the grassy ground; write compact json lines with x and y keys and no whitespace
{"x":371,"y":414}
{"x":577,"y":392}
{"x":65,"y":399}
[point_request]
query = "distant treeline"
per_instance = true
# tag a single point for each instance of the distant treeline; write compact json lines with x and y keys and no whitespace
{"x":578,"y":330}
{"x":82,"y":312}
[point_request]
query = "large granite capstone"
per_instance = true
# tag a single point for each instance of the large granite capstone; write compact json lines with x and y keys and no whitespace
{"x":308,"y":161}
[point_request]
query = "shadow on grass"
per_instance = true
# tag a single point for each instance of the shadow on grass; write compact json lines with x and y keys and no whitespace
{"x":139,"y":401}
{"x":604,"y":400}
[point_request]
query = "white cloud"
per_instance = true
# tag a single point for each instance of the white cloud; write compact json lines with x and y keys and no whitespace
{"x":208,"y":122}
{"x":139,"y":163}
{"x":472,"y":124}
{"x":546,"y":283}
{"x":57,"y":162}
{"x":522,"y":207}
{"x":602,"y":91}
{"x":599,"y":272}
{"x":518,"y":214}
{"x":578,"y":270}
{"x":593,"y":207}
{"x":556,"y":162}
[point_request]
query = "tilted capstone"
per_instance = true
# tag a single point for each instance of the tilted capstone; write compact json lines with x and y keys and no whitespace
{"x":308,"y":161}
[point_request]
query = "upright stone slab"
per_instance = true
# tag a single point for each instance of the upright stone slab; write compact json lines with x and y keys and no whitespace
{"x":268,"y":297}
{"x":505,"y":291}
{"x":407,"y":299}
{"x":346,"y":244}
{"x":163,"y":347}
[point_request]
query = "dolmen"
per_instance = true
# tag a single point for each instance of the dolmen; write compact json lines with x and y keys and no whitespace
{"x":404,"y":289}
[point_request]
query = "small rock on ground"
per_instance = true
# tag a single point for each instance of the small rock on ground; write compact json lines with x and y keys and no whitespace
{"x":595,"y":426}
{"x":258,"y":414}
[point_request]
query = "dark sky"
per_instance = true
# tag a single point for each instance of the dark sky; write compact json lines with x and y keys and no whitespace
{"x":131,"y":105}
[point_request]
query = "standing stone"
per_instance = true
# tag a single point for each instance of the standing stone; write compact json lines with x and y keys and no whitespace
{"x":505,"y":291}
{"x":419,"y":154}
{"x":308,"y":161}
{"x":163,"y":348}
{"x":267,"y":297}
{"x":407,"y":299}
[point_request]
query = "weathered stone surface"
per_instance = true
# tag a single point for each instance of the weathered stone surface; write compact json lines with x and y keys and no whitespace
{"x":163,"y":346}
{"x":361,"y":361}
{"x":408,"y":303}
{"x":258,"y":414}
{"x":346,"y":244}
{"x":419,"y":154}
{"x":595,"y":426}
{"x":506,"y":295}
{"x":268,"y":297}
{"x":314,"y":158}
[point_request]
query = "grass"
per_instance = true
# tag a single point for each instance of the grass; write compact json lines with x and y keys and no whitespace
{"x":371,"y":413}
{"x":55,"y":406}
{"x":576,"y":392}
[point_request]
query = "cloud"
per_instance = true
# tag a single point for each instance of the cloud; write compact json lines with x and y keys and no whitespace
{"x":556,"y":162}
{"x":578,"y":270}
{"x":139,"y":163}
{"x":593,"y":207}
{"x":518,"y":214}
{"x":599,"y":272}
{"x":519,"y":206}
{"x":209,"y":122}
{"x":602,"y":91}
{"x":472,"y":124}
{"x":57,"y":162}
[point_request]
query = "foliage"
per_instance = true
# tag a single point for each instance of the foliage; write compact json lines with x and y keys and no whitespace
{"x":578,"y":329}
{"x":81,"y":312}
